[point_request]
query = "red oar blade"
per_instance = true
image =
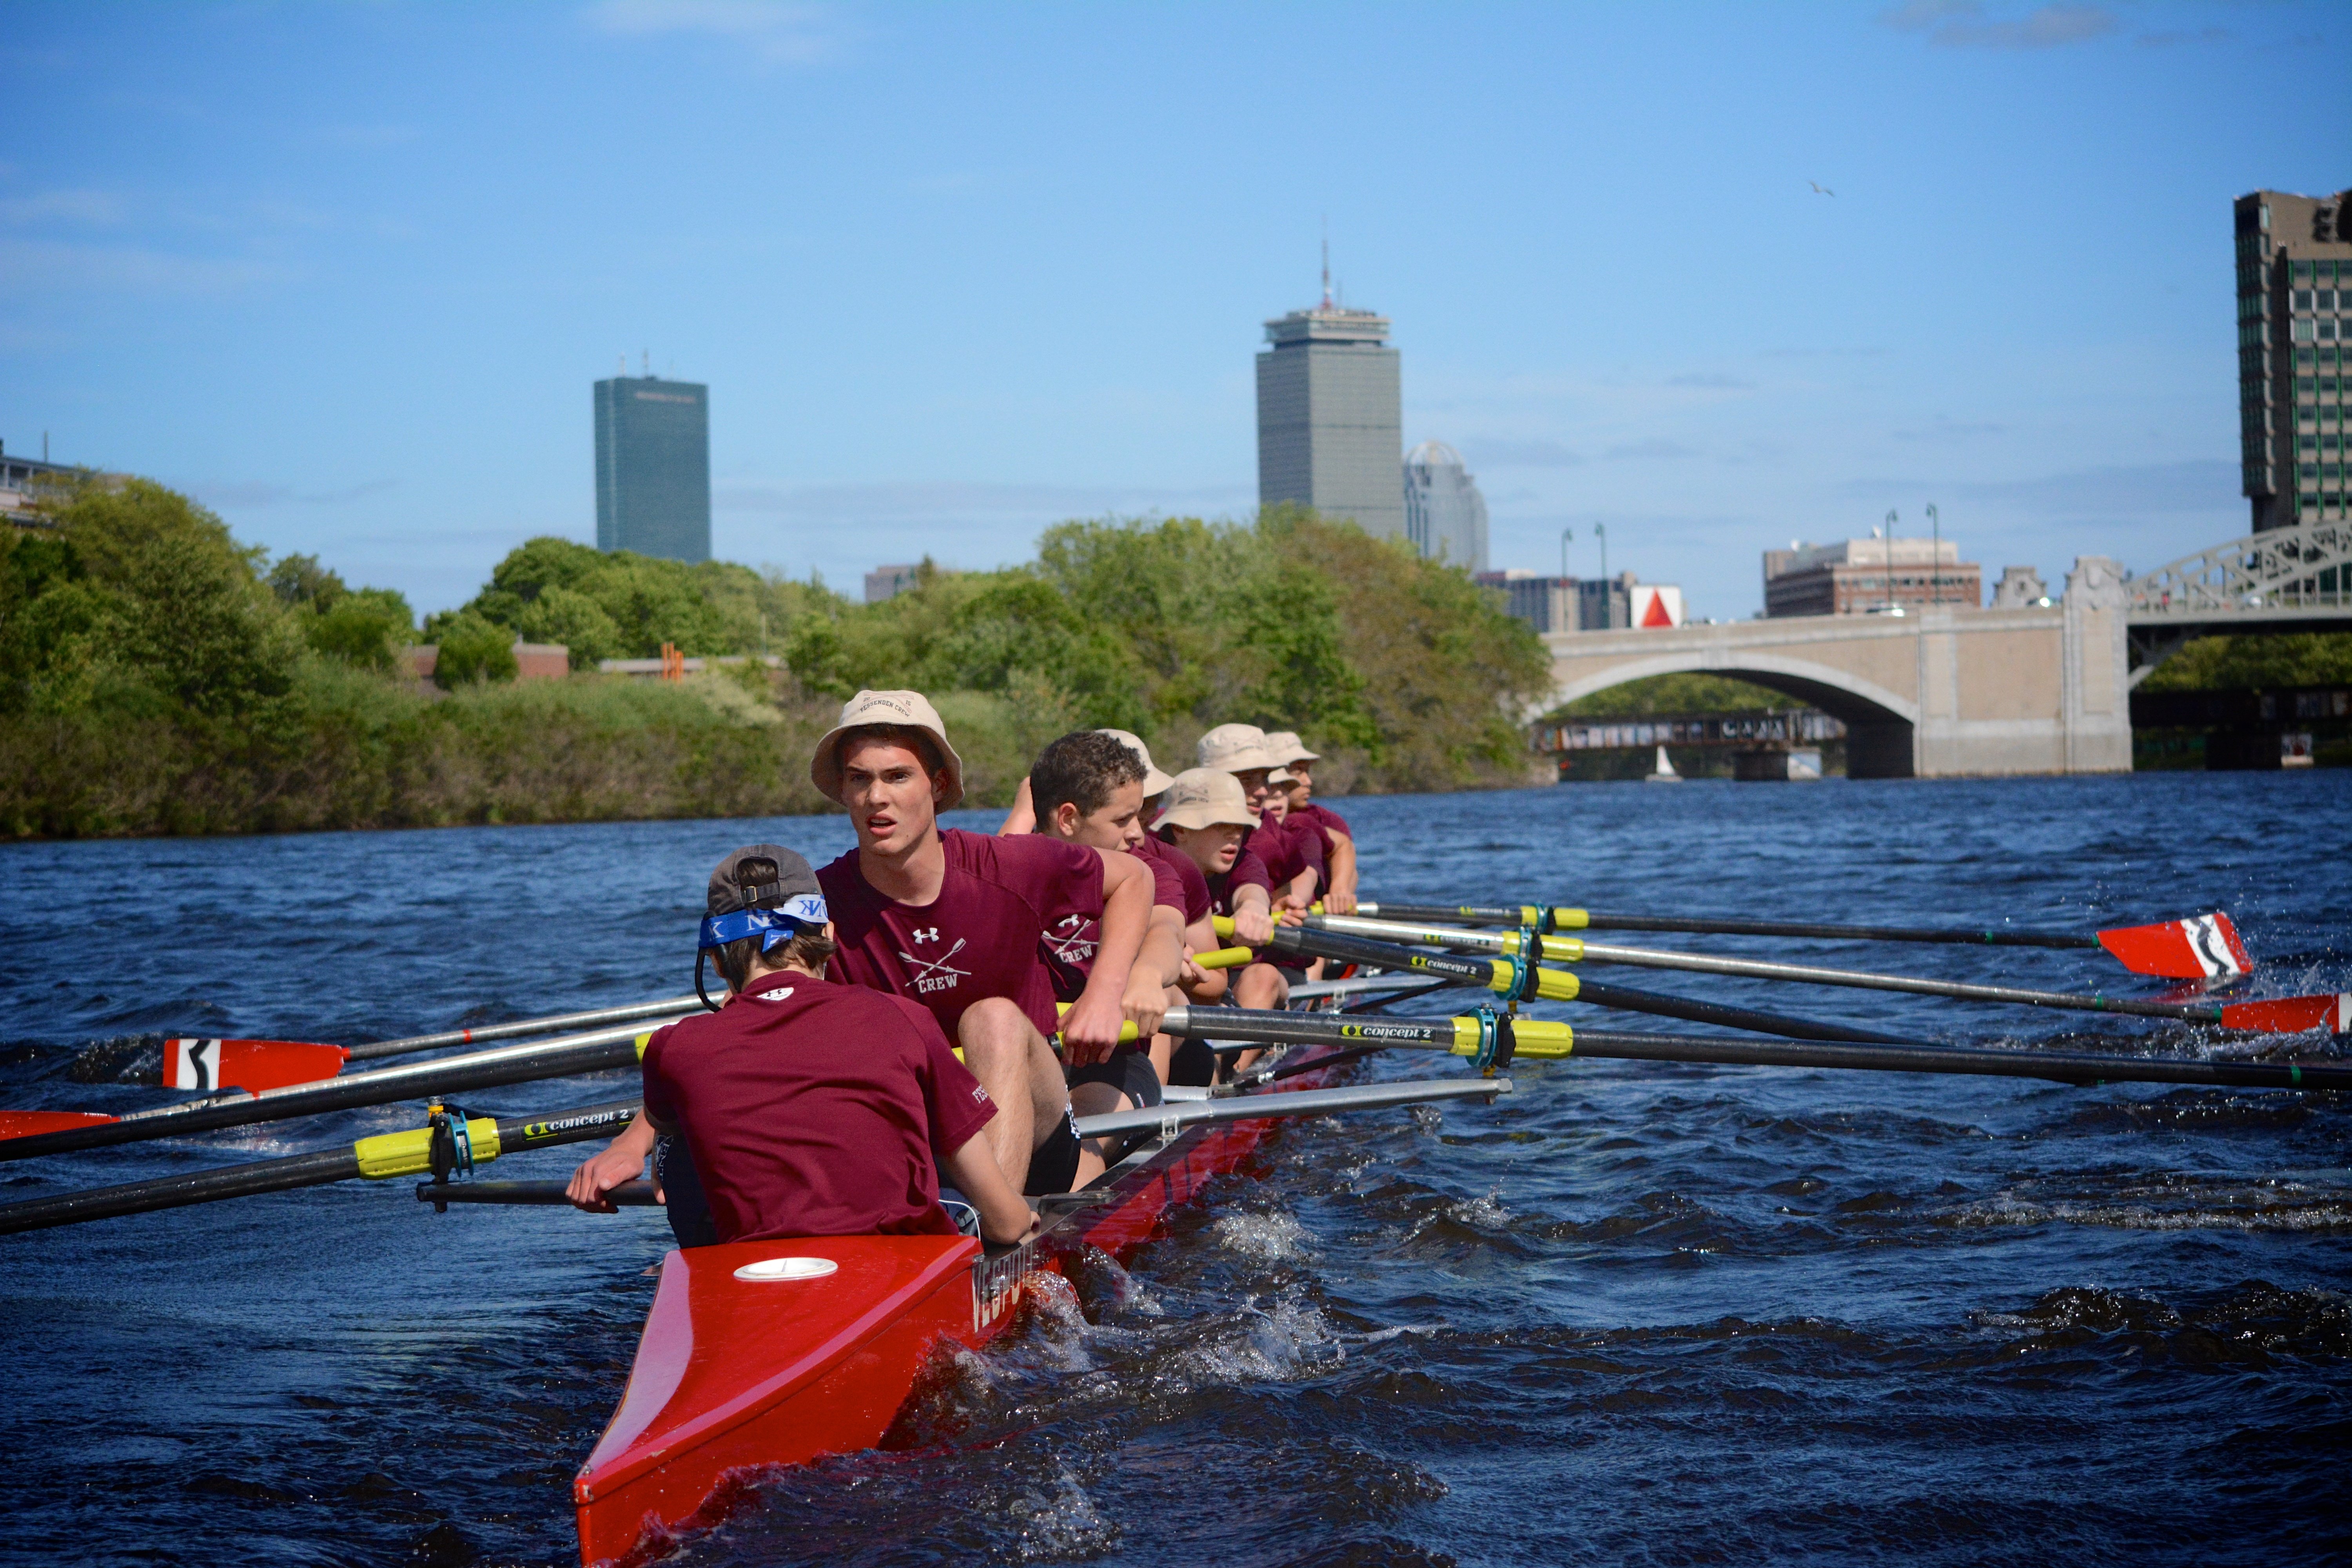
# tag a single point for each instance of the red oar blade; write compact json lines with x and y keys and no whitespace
{"x":205,"y":1066}
{"x":2204,"y":947}
{"x":2292,"y":1014}
{"x":24,"y":1123}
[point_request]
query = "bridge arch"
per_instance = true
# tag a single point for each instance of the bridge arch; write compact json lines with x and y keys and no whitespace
{"x":1880,"y":724}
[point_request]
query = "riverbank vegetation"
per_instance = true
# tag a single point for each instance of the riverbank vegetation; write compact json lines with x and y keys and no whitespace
{"x":157,"y":676}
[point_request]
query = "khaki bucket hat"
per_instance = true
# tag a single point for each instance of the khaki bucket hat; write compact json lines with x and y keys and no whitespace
{"x":1154,"y":781}
{"x":892,"y":709}
{"x":1235,"y":749}
{"x":1202,"y":797}
{"x":1287,"y":747}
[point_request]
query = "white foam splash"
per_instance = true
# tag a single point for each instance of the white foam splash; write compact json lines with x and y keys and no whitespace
{"x":2007,"y":1211}
{"x":1258,"y":1345}
{"x":1059,"y":1520}
{"x":1269,"y":1237}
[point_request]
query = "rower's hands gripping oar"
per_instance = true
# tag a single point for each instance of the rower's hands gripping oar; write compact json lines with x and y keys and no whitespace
{"x":2201,"y":947}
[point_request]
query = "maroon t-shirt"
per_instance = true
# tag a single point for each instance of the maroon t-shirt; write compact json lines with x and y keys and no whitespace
{"x":1168,"y":861}
{"x":815,"y":1109}
{"x":1288,"y":849}
{"x":980,"y":937}
{"x":1073,"y":935}
{"x":1323,"y":817}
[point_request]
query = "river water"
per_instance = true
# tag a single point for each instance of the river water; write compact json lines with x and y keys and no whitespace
{"x":1632,"y":1313}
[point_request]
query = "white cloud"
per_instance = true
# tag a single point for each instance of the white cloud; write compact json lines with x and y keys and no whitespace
{"x":95,"y":207}
{"x":26,"y":264}
{"x":776,"y":31}
{"x":1964,"y":24}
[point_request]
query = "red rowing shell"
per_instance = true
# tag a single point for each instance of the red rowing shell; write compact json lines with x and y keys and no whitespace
{"x":732,"y":1375}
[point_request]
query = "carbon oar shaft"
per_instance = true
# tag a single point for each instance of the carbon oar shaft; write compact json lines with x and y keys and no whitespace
{"x":595,"y":1051}
{"x":1558,"y":917}
{"x":387,"y":1155}
{"x":1555,"y":985}
{"x":1573,"y":950}
{"x":1543,"y":1039}
{"x":594,"y":1018}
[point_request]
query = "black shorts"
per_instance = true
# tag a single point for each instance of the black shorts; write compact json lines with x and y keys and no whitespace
{"x":682,"y":1195}
{"x":1129,"y":1071}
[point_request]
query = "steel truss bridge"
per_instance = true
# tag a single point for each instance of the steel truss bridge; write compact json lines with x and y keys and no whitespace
{"x":2288,"y":579}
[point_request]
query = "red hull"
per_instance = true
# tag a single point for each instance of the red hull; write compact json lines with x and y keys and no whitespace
{"x":733,"y":1375}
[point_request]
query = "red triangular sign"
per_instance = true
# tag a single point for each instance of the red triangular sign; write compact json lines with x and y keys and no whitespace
{"x":1656,"y":615}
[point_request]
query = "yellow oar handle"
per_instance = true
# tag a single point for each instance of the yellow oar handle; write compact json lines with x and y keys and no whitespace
{"x":1224,"y":958}
{"x":1127,"y":1035}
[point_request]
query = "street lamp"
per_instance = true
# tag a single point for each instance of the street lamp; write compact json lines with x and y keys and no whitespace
{"x":1608,"y":595}
{"x":1889,"y":578}
{"x":1935,"y":557}
{"x":1565,"y":535}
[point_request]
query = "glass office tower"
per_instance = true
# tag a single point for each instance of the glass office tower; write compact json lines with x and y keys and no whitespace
{"x":652,"y":467}
{"x":1444,"y":515}
{"x":2294,"y":334}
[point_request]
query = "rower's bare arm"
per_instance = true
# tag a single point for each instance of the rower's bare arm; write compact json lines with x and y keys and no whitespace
{"x":1298,"y":895}
{"x":1145,"y":1000}
{"x":1341,"y":852}
{"x":1004,"y":1218}
{"x":622,"y":1159}
{"x":1022,"y":817}
{"x":1203,"y":986}
{"x":1253,"y":917}
{"x":1090,"y":1029}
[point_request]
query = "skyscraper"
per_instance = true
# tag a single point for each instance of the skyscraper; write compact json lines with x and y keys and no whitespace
{"x":1331,"y":427}
{"x":1444,"y":515}
{"x":652,"y":467}
{"x":2295,"y":335}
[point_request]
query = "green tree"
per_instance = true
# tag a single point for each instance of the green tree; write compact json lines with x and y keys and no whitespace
{"x":566,"y":616}
{"x":367,"y":627}
{"x":473,"y":650}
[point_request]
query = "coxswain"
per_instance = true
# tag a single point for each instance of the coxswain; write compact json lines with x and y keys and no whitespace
{"x":955,"y":921}
{"x":1296,"y":779}
{"x":1087,"y":789}
{"x":805,"y":1106}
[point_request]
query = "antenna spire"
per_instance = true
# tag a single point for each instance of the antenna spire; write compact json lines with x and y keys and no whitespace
{"x":1326,"y":262}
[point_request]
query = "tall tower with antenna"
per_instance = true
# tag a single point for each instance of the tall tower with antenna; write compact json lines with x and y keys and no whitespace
{"x":1330,"y":423}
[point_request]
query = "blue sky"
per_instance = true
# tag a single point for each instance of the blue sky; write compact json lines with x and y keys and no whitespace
{"x":954,"y":272}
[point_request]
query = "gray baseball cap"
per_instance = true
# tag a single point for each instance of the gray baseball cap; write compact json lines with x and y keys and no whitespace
{"x":759,"y":876}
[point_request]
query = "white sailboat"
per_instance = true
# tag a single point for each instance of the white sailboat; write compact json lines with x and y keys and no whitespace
{"x":1666,"y":773}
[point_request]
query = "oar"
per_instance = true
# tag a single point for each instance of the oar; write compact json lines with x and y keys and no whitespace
{"x":595,"y":1051}
{"x":205,"y":1065}
{"x":2289,"y":1014}
{"x":1526,"y":982}
{"x":1166,"y":1120}
{"x":1499,"y":1041}
{"x":2201,"y":947}
{"x":435,"y":1147}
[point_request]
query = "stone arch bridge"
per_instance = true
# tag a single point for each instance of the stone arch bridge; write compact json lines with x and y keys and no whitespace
{"x":1950,"y":692}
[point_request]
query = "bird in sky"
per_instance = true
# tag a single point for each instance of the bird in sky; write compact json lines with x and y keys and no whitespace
{"x":1820,"y":189}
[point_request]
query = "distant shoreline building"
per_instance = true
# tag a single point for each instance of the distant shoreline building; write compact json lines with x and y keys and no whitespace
{"x":1855,"y":577}
{"x":889,"y":582}
{"x":1444,"y":515}
{"x":1330,"y":422}
{"x":2294,"y":327}
{"x":1564,"y":604}
{"x":652,"y":467}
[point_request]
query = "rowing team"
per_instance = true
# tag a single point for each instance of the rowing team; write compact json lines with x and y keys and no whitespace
{"x":893,"y":1016}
